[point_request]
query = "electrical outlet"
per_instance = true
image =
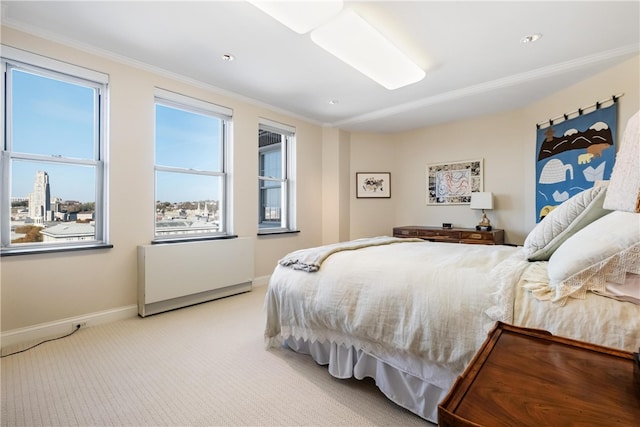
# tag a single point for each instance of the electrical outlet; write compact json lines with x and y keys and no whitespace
{"x":78,"y":325}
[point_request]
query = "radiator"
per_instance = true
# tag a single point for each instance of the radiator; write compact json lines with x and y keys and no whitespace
{"x":176,"y":275}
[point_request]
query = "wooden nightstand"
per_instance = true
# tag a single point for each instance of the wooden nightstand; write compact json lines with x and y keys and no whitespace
{"x":528,"y":377}
{"x":452,"y":235}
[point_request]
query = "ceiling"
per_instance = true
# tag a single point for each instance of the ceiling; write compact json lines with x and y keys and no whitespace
{"x":475,"y":63}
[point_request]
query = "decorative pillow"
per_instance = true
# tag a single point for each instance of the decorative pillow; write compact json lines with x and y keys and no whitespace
{"x":603,"y":251}
{"x":565,"y":220}
{"x":624,"y":191}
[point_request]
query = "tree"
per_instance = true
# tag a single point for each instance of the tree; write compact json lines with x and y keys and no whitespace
{"x":31,"y":234}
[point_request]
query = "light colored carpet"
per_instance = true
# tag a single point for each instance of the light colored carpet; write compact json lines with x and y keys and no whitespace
{"x":204,"y":365}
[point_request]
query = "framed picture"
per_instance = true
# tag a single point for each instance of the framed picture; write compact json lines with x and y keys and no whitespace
{"x":452,"y":183}
{"x":371,"y":185}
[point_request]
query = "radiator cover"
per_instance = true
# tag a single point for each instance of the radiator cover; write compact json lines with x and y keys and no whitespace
{"x":176,"y":275}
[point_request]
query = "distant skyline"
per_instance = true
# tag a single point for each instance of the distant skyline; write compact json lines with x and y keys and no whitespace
{"x":56,"y":118}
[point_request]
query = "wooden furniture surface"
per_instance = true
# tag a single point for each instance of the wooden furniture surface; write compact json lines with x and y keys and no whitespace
{"x":452,"y":235}
{"x":528,"y":377}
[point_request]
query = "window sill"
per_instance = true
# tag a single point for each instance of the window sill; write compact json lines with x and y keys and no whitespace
{"x":32,"y":251}
{"x":200,"y":239}
{"x":277,"y":232}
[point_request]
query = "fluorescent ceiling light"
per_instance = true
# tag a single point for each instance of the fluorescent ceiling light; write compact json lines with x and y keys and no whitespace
{"x":300,"y":16}
{"x":356,"y":42}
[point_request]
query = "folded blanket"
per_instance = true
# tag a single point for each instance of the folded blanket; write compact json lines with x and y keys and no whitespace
{"x":310,"y":259}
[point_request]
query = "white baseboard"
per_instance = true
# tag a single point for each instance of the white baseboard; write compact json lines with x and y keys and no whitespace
{"x":261,"y":281}
{"x":64,"y":326}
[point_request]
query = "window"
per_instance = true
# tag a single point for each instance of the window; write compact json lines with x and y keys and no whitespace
{"x":190,"y":167}
{"x":53,"y":170}
{"x":275,"y":177}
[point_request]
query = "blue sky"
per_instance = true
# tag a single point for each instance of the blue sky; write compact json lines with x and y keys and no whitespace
{"x":187,"y":140}
{"x":52,"y":118}
{"x":55,"y":118}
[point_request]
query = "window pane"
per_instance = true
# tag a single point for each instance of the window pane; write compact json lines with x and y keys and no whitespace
{"x":273,"y":177}
{"x":270,"y":204}
{"x":188,"y":203}
{"x":64,"y":113}
{"x":271,"y":164}
{"x":52,"y":203}
{"x":188,"y":140}
{"x":270,"y":146}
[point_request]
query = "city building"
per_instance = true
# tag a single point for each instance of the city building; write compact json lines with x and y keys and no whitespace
{"x":40,"y":199}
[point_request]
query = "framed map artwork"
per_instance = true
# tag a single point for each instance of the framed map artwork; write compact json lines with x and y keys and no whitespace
{"x":453,"y":183}
{"x":370,"y":185}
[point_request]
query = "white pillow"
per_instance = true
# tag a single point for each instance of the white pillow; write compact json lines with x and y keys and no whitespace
{"x":603,"y":251}
{"x":624,"y":192}
{"x":565,"y":220}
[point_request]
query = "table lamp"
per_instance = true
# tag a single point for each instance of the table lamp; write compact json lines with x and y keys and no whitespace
{"x":482,"y":200}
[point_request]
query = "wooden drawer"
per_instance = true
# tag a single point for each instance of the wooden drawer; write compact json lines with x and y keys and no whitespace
{"x":405,"y":232}
{"x":440,"y":235}
{"x":483,"y":237}
{"x":451,"y":235}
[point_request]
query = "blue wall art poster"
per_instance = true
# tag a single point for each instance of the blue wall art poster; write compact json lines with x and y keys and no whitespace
{"x":572,"y":155}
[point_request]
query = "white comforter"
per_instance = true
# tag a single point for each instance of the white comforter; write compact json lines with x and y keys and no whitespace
{"x":433,"y":301}
{"x":595,"y":319}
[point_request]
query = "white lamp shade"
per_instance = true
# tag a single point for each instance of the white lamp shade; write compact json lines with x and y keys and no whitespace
{"x":482,"y":200}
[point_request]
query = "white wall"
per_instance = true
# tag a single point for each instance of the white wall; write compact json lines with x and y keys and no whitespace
{"x":37,"y":289}
{"x":505,"y":141}
{"x":375,"y":153}
{"x":335,"y":179}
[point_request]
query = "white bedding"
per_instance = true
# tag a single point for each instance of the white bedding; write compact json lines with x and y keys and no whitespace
{"x":311,"y":259}
{"x":412,"y":314}
{"x":595,"y":319}
{"x":425,"y":299}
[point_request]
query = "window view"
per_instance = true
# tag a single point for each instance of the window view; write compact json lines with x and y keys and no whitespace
{"x":52,"y":158}
{"x":275,"y":146}
{"x":190,"y":176}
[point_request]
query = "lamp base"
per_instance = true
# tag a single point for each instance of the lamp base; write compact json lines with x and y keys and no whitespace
{"x":484,"y":227}
{"x":484,"y":223}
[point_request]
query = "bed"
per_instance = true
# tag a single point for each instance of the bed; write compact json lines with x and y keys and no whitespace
{"x":411,"y":313}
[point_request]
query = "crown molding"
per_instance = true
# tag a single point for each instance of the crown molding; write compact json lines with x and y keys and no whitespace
{"x":125,"y":60}
{"x":492,"y":85}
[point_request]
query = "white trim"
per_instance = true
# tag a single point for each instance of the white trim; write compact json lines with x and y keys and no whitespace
{"x":488,"y":86}
{"x":12,"y":54}
{"x":261,"y":281}
{"x":184,"y":100}
{"x":61,"y":327}
{"x":276,"y":127}
{"x":24,"y":61}
{"x":103,"y":53}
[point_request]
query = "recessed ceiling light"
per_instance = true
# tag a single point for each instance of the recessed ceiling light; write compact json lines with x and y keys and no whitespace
{"x":228,"y":57}
{"x":531,"y":38}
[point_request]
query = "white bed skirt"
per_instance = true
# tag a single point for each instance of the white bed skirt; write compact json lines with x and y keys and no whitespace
{"x":409,"y":391}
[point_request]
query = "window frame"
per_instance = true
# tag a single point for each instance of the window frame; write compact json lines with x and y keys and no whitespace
{"x":16,"y":59}
{"x":225,"y":115}
{"x":287,"y":181}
